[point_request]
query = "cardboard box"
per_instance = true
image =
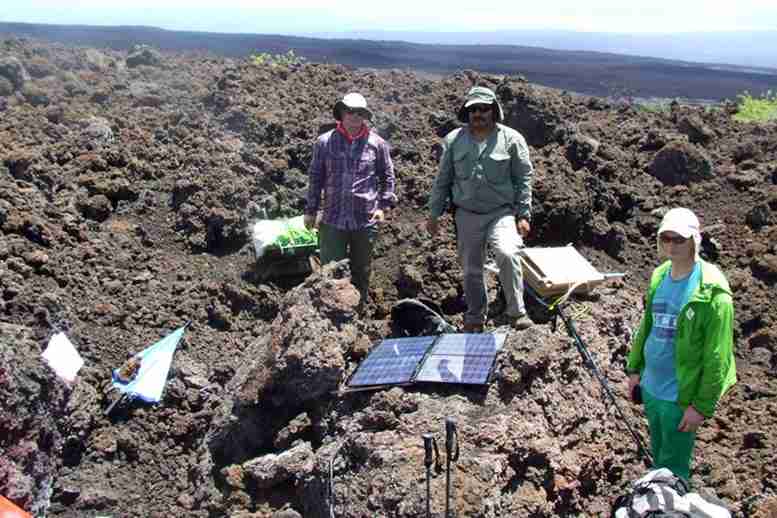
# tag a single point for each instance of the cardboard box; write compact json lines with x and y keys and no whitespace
{"x":553,"y":270}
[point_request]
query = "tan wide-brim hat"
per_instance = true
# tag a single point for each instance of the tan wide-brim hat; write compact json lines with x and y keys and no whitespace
{"x":353,"y":101}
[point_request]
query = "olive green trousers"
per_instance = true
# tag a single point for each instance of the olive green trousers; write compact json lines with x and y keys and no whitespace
{"x":356,"y":245}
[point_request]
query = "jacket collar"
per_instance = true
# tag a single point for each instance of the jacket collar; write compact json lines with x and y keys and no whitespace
{"x":711,"y":280}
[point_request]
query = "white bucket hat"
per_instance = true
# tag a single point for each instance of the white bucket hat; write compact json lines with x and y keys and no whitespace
{"x":683,"y":222}
{"x":353,"y":101}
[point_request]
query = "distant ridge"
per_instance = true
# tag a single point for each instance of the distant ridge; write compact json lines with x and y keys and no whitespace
{"x":737,"y":49}
{"x":588,"y":72}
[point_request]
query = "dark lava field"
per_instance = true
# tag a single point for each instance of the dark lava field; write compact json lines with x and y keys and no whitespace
{"x":128,"y":184}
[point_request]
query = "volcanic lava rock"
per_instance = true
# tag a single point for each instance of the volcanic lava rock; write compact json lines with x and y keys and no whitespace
{"x":6,"y":87}
{"x":271,"y":470}
{"x":97,"y":131}
{"x":410,"y":282}
{"x":13,"y":70}
{"x":96,"y":207}
{"x":695,"y":129}
{"x":759,"y":216}
{"x":144,"y":55}
{"x":306,"y":359}
{"x":680,"y":163}
{"x":35,"y":94}
{"x":31,"y":437}
{"x":97,"y":61}
{"x":581,"y":149}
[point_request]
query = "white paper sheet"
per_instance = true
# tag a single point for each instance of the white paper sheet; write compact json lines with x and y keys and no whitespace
{"x":62,"y":357}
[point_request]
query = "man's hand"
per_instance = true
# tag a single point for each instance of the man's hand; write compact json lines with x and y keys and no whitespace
{"x":692,"y":420}
{"x":523,"y":227}
{"x":310,"y":221}
{"x":378,"y":216}
{"x":433,"y":226}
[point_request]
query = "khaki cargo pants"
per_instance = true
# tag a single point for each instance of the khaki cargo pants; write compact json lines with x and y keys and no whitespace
{"x":475,"y":231}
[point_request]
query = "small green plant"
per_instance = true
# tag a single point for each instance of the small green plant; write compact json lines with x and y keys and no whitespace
{"x":712,"y":108}
{"x":755,"y":109}
{"x":656,"y":106}
{"x":277,"y":60}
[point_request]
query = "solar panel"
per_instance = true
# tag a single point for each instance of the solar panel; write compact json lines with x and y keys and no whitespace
{"x":448,"y":358}
{"x":393,"y":361}
{"x":469,"y":344}
{"x":471,"y":370}
{"x":393,"y":347}
{"x":461,"y":358}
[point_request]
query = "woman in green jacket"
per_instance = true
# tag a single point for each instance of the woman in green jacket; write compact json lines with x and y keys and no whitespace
{"x":682,"y":356}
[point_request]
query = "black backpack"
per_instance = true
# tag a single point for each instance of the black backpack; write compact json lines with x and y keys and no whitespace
{"x":412,"y":317}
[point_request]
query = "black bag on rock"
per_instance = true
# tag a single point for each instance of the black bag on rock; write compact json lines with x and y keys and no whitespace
{"x":412,"y":317}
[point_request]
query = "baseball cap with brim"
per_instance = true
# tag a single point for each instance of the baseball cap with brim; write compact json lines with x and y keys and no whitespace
{"x":681,"y":221}
{"x":480,"y":95}
{"x":684,"y":222}
{"x":353,"y":101}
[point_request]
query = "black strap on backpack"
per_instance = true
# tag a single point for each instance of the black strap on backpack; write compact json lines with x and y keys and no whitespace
{"x":626,"y":501}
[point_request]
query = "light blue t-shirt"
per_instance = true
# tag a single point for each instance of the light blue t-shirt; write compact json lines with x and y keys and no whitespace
{"x":659,"y":377}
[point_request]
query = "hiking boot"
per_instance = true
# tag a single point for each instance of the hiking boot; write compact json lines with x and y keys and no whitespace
{"x":516,"y":322}
{"x":472,"y":328}
{"x":522,"y":322}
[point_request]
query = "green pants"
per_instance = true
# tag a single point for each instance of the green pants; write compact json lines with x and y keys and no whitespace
{"x":671,"y":449}
{"x":356,"y":245}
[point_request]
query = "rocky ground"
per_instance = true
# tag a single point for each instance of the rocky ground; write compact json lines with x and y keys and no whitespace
{"x":128,"y":183}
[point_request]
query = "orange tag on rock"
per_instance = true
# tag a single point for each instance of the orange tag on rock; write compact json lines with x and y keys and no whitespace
{"x":10,"y":510}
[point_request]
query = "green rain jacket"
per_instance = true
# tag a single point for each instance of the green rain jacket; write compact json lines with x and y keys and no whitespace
{"x":704,"y":340}
{"x":499,"y":177}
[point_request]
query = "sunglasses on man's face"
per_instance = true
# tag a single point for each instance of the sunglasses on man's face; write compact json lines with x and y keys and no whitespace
{"x":677,"y":240}
{"x":355,"y":111}
{"x":480,"y":108}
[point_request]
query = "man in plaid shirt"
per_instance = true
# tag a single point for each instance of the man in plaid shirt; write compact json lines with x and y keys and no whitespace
{"x":352,"y":168}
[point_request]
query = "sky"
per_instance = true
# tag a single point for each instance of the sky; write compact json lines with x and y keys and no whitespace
{"x":310,"y":16}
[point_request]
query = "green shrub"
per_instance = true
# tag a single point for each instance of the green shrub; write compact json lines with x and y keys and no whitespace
{"x":658,"y":106}
{"x":276,"y":60}
{"x":754,"y":109}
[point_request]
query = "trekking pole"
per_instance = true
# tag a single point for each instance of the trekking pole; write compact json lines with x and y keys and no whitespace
{"x":116,"y":402}
{"x":331,"y":487}
{"x":589,"y":363}
{"x":430,"y":447}
{"x":331,"y":484}
{"x":451,"y":444}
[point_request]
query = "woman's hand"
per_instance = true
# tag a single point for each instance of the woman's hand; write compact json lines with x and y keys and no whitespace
{"x":633,"y":382}
{"x":692,"y":420}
